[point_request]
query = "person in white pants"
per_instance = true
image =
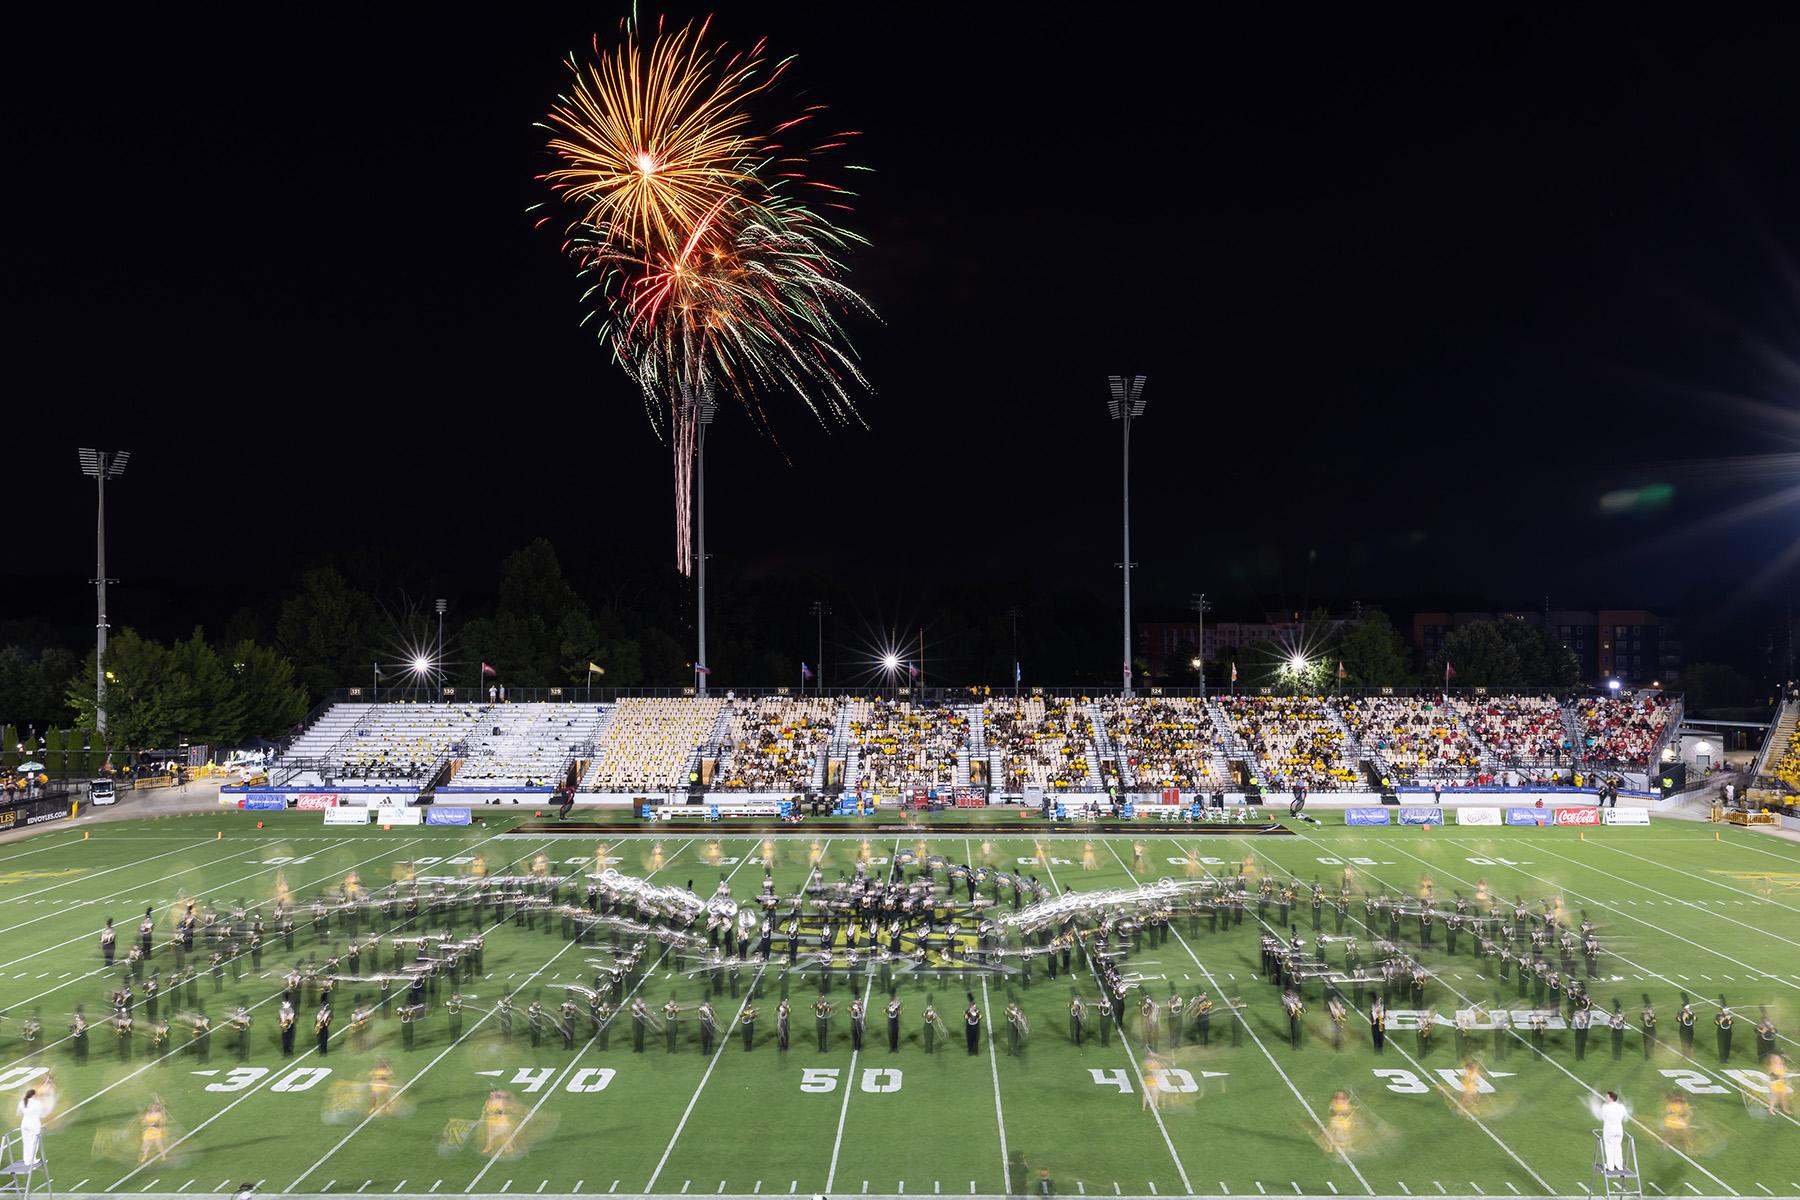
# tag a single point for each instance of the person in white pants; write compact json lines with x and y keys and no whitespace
{"x":31,"y":1126}
{"x":1612,"y":1133}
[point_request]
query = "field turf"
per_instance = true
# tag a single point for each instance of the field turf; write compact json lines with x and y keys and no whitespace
{"x":1678,"y":910}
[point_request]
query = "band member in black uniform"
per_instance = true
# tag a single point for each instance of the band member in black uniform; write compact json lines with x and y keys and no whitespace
{"x":972,"y":1024}
{"x":1684,"y":1024}
{"x":1077,"y":1018}
{"x":640,"y":1013}
{"x":107,"y":938}
{"x":893,"y":1022}
{"x":1203,"y":1008}
{"x":1616,"y":1025}
{"x":1725,"y":1020}
{"x":783,"y":1015}
{"x":857,"y":1012}
{"x":1378,"y":1023}
{"x":1647,"y":1021}
{"x":748,"y":1022}
{"x":931,"y":1024}
{"x":286,"y":1021}
{"x":322,"y":1024}
{"x":708,"y":1026}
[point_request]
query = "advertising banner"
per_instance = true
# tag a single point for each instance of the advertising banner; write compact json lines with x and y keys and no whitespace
{"x":399,"y":815}
{"x":1415,"y":815}
{"x":346,"y":816}
{"x":1528,"y":816}
{"x":1577,"y":816}
{"x":446,"y":816}
{"x":1478,"y":816}
{"x":266,"y":803}
{"x":1627,"y":816}
{"x":1366,"y":816}
{"x":314,"y":801}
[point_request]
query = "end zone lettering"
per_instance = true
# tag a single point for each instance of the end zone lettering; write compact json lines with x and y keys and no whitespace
{"x":1577,"y":816}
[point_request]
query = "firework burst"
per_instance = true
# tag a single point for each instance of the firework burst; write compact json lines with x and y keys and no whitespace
{"x":706,"y":271}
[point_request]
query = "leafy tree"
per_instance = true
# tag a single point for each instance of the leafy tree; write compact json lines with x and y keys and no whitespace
{"x":268,"y":697}
{"x":1715,"y":685}
{"x":1372,"y":652}
{"x":326,"y":627}
{"x":1543,"y":661}
{"x":33,"y":683}
{"x":1481,"y":655}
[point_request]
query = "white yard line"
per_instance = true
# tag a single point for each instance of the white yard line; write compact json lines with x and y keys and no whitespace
{"x":1124,"y":1041}
{"x":557,"y":1083}
{"x":1586,"y":1088}
{"x":251,"y":1008}
{"x":438,"y":1058}
{"x":724,"y":1040}
{"x":993,"y":1059}
{"x":1606,"y":844}
{"x":85,"y":877}
{"x":1213,"y":984}
{"x":850,"y":1081}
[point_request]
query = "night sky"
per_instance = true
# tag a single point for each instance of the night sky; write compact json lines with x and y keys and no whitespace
{"x":1412,"y":293}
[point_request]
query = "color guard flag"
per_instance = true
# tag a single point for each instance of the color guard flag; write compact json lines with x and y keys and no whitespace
{"x":702,"y":669}
{"x":595,"y":668}
{"x":805,"y":671}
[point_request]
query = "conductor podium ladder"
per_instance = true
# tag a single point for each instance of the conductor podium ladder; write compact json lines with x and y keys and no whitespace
{"x":1623,"y":1182}
{"x":20,"y":1178}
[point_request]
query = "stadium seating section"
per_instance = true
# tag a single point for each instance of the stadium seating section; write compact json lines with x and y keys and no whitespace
{"x":881,"y":745}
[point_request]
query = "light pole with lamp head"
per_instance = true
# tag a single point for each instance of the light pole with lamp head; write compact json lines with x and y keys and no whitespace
{"x":1201,"y":608}
{"x":1126,"y":404}
{"x":100,"y":466}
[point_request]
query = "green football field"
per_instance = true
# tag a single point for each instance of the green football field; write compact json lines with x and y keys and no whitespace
{"x":1679,"y":908}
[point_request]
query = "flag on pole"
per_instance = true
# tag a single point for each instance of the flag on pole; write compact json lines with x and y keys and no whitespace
{"x":1018,"y":672}
{"x":1449,"y":672}
{"x":912,"y":670}
{"x":595,"y":668}
{"x":805,"y":671}
{"x":702,"y":669}
{"x":1340,"y":670}
{"x":1234,"y":671}
{"x":487,"y":670}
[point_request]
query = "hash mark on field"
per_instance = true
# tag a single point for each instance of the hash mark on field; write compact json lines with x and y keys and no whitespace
{"x":365,"y":1183}
{"x":1153,"y":1189}
{"x":1765,"y":1187}
{"x":1511,"y":1188}
{"x":543,"y":1183}
{"x":1296,"y":1186}
{"x":149,"y":1185}
{"x":1692,"y":1188}
{"x":1657,"y":1186}
{"x":507,"y":1186}
{"x":613,"y":1188}
{"x":684,"y":1186}
{"x":1477,"y":1188}
{"x":936,"y":1188}
{"x":1439,"y":1187}
{"x":1260,"y":1190}
{"x":399,"y":1185}
{"x":190,"y":1183}
{"x":1332,"y":1186}
{"x":721,"y":1190}
{"x":577,"y":1187}
{"x":78,"y":1186}
{"x":438,"y":1184}
{"x":1403,"y":1187}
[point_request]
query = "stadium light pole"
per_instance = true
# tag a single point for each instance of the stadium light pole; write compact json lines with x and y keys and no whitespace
{"x":100,"y":466}
{"x":1201,"y":608}
{"x":1125,"y":404}
{"x":442,"y":606}
{"x":706,"y":408}
{"x":820,"y":610}
{"x":1015,"y":614}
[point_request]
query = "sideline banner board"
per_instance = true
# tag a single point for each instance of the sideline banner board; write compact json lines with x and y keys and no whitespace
{"x":1421,"y":815}
{"x":313,"y":801}
{"x":1478,"y":816}
{"x":446,"y":816}
{"x":406,"y":815}
{"x":1577,"y":816}
{"x":1366,"y":816}
{"x":353,"y":815}
{"x":265,"y":803}
{"x":1529,"y":816}
{"x":1626,"y":816}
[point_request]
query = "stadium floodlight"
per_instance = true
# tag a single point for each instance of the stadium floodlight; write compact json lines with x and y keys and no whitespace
{"x":890,"y":662}
{"x":1297,"y":664}
{"x":100,"y":466}
{"x":1612,"y":685}
{"x":1126,"y":403}
{"x":421,"y":665}
{"x":706,"y":407}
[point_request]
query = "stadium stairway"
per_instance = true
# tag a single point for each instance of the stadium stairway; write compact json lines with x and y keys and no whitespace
{"x":1100,"y":746}
{"x":1572,"y":728}
{"x":1777,"y":739}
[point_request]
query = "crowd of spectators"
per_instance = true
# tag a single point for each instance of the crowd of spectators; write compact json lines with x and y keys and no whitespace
{"x":1621,"y":731}
{"x":1519,"y":730}
{"x":1413,"y":738}
{"x":775,"y":743}
{"x":1166,"y":742}
{"x":1293,"y":740}
{"x":1786,"y":767}
{"x":1042,"y":742}
{"x":900,"y":744}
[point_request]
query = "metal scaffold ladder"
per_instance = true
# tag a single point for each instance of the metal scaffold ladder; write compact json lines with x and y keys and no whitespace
{"x":1622,"y":1182}
{"x":20,"y":1178}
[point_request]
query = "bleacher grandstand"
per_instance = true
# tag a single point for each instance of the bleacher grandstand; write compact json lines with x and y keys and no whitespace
{"x":881,"y":745}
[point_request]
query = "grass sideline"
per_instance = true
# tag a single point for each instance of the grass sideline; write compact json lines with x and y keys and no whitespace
{"x":1677,"y":911}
